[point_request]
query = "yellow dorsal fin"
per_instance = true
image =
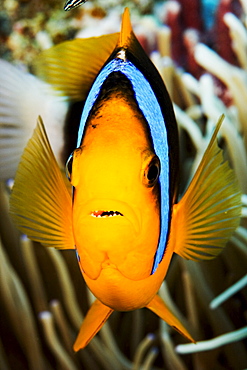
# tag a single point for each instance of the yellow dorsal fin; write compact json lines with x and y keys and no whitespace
{"x":93,"y":322}
{"x":72,"y":66}
{"x":209,"y":212}
{"x":40,"y":203}
{"x":158,"y":306}
{"x":126,"y":29}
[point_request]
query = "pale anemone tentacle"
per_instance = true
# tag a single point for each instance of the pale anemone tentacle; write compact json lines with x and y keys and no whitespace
{"x":63,"y":325}
{"x":234,"y":78}
{"x":142,"y":348}
{"x":149,"y":359}
{"x":239,"y":38}
{"x":14,"y":295}
{"x":168,"y":350}
{"x":211,"y":344}
{"x":228,"y":292}
{"x":55,"y":345}
{"x":33,"y":272}
{"x":213,"y":107}
{"x":72,"y":307}
{"x":221,"y":321}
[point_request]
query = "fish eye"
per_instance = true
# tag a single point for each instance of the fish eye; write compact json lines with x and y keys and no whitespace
{"x":151,"y":173}
{"x":68,"y":167}
{"x":71,"y":162}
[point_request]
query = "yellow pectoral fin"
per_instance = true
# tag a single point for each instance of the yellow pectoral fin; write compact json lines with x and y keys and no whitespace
{"x":93,"y":322}
{"x":40,"y":203}
{"x":158,"y":306}
{"x":209,"y":212}
{"x":72,"y":66}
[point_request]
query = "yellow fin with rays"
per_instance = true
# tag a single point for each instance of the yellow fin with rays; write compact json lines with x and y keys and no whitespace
{"x":209,"y":212}
{"x":40,"y":203}
{"x":93,"y":322}
{"x":158,"y":306}
{"x":72,"y":66}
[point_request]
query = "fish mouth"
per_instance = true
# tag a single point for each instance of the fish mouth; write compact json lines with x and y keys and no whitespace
{"x":114,"y":210}
{"x":105,"y":214}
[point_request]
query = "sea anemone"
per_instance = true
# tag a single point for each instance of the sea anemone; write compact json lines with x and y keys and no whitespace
{"x":43,"y":295}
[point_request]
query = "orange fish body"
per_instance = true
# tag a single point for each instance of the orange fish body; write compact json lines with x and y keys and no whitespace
{"x":123,"y":219}
{"x":115,"y":175}
{"x":115,"y":250}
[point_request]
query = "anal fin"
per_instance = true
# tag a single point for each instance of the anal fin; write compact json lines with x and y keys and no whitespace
{"x":93,"y":322}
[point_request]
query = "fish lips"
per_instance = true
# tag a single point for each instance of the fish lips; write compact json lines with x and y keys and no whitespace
{"x":110,"y":210}
{"x":103,"y":229}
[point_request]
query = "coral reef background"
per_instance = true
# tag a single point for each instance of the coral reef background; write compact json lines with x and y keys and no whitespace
{"x":200,"y":49}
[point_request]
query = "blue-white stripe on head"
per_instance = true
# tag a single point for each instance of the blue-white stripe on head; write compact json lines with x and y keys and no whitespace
{"x":151,"y":110}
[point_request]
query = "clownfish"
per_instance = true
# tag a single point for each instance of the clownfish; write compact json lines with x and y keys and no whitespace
{"x":122,"y":217}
